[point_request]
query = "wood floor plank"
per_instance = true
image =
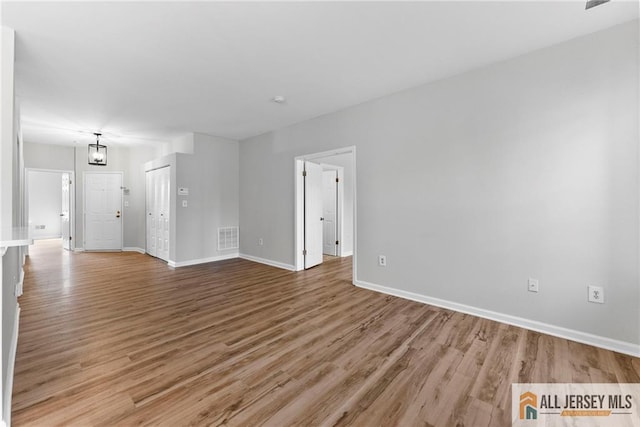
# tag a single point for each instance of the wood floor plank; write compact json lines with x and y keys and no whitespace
{"x":120,"y":339}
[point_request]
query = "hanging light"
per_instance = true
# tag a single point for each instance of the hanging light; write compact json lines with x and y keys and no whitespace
{"x":97,"y":152}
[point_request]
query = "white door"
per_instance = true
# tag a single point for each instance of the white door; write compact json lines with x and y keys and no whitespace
{"x":329,"y":212}
{"x":151,"y":213}
{"x":65,"y":223}
{"x":103,"y":211}
{"x":158,"y":208}
{"x":312,"y":215}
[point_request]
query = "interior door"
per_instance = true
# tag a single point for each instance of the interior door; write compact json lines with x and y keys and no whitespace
{"x":158,"y":209}
{"x":65,"y":223}
{"x":103,"y":211}
{"x":312,"y":215}
{"x":151,"y":213}
{"x":329,"y":212}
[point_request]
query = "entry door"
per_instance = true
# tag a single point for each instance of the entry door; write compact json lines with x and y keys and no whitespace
{"x":312,"y":215}
{"x":65,"y":225}
{"x":158,"y":208}
{"x":103,"y":211}
{"x":329,"y":213}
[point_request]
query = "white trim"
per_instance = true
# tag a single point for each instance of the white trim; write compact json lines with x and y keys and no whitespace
{"x":72,"y":197}
{"x":545,"y":328}
{"x":6,"y":419}
{"x":20,"y":284}
{"x":346,"y":253}
{"x":268,"y":262}
{"x":133,"y":249}
{"x":78,"y":249}
{"x":202,"y":260}
{"x":46,"y":237}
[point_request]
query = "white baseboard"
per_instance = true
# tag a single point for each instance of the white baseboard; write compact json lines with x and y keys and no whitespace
{"x":47,"y":237}
{"x":347,"y":253}
{"x":13,"y":346}
{"x":202,"y":260}
{"x":20,"y":284}
{"x":134,"y":249}
{"x":76,"y":249}
{"x":268,"y":262}
{"x":545,"y":328}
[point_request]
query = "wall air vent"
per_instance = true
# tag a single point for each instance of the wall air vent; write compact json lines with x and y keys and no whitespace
{"x":228,"y":238}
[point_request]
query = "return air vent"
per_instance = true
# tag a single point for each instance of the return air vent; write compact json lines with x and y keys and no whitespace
{"x":228,"y":238}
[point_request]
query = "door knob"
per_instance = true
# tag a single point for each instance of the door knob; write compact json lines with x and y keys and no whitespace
{"x":118,"y":214}
{"x":321,"y":219}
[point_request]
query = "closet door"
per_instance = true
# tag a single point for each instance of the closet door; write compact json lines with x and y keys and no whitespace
{"x":163,"y":177}
{"x":151,"y":213}
{"x":158,"y":209}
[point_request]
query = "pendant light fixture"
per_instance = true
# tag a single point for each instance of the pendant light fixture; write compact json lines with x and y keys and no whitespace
{"x":97,"y":152}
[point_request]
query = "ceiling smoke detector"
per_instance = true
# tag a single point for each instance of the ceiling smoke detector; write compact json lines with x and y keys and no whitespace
{"x":279,"y":99}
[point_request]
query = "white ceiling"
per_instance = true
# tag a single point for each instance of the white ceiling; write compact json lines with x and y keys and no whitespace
{"x":153,"y":71}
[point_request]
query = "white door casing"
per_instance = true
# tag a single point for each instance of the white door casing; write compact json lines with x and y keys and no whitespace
{"x":298,"y":169}
{"x":312,"y":214}
{"x":103,"y":211}
{"x":330,"y":209}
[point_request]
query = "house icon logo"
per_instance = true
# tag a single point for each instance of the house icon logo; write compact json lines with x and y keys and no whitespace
{"x":528,"y":406}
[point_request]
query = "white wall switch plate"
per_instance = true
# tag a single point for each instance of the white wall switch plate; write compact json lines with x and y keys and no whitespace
{"x":184,"y":203}
{"x":533,"y":285}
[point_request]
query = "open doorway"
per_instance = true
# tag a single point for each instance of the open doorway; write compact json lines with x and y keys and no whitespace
{"x":50,"y":205}
{"x":314,"y":235}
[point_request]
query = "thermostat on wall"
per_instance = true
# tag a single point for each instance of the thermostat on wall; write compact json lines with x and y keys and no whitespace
{"x":183,"y":191}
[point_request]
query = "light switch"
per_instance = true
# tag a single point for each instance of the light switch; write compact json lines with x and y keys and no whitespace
{"x":184,"y":203}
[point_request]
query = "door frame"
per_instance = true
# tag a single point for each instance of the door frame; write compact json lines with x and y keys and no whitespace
{"x":72,"y":199}
{"x":299,"y":204}
{"x":84,"y":209}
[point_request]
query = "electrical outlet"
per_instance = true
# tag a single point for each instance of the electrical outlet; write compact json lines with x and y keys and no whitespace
{"x":382,"y":260}
{"x":185,"y":203}
{"x":596,"y":294}
{"x":533,"y":285}
{"x":260,"y":242}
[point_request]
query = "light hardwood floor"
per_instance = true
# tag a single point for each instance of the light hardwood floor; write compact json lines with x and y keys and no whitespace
{"x":120,"y":339}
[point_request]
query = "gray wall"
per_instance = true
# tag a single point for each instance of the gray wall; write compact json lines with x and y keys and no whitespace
{"x":47,"y":156}
{"x":45,"y":203}
{"x":472,"y":184}
{"x":211,"y":175}
{"x":129,"y":160}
